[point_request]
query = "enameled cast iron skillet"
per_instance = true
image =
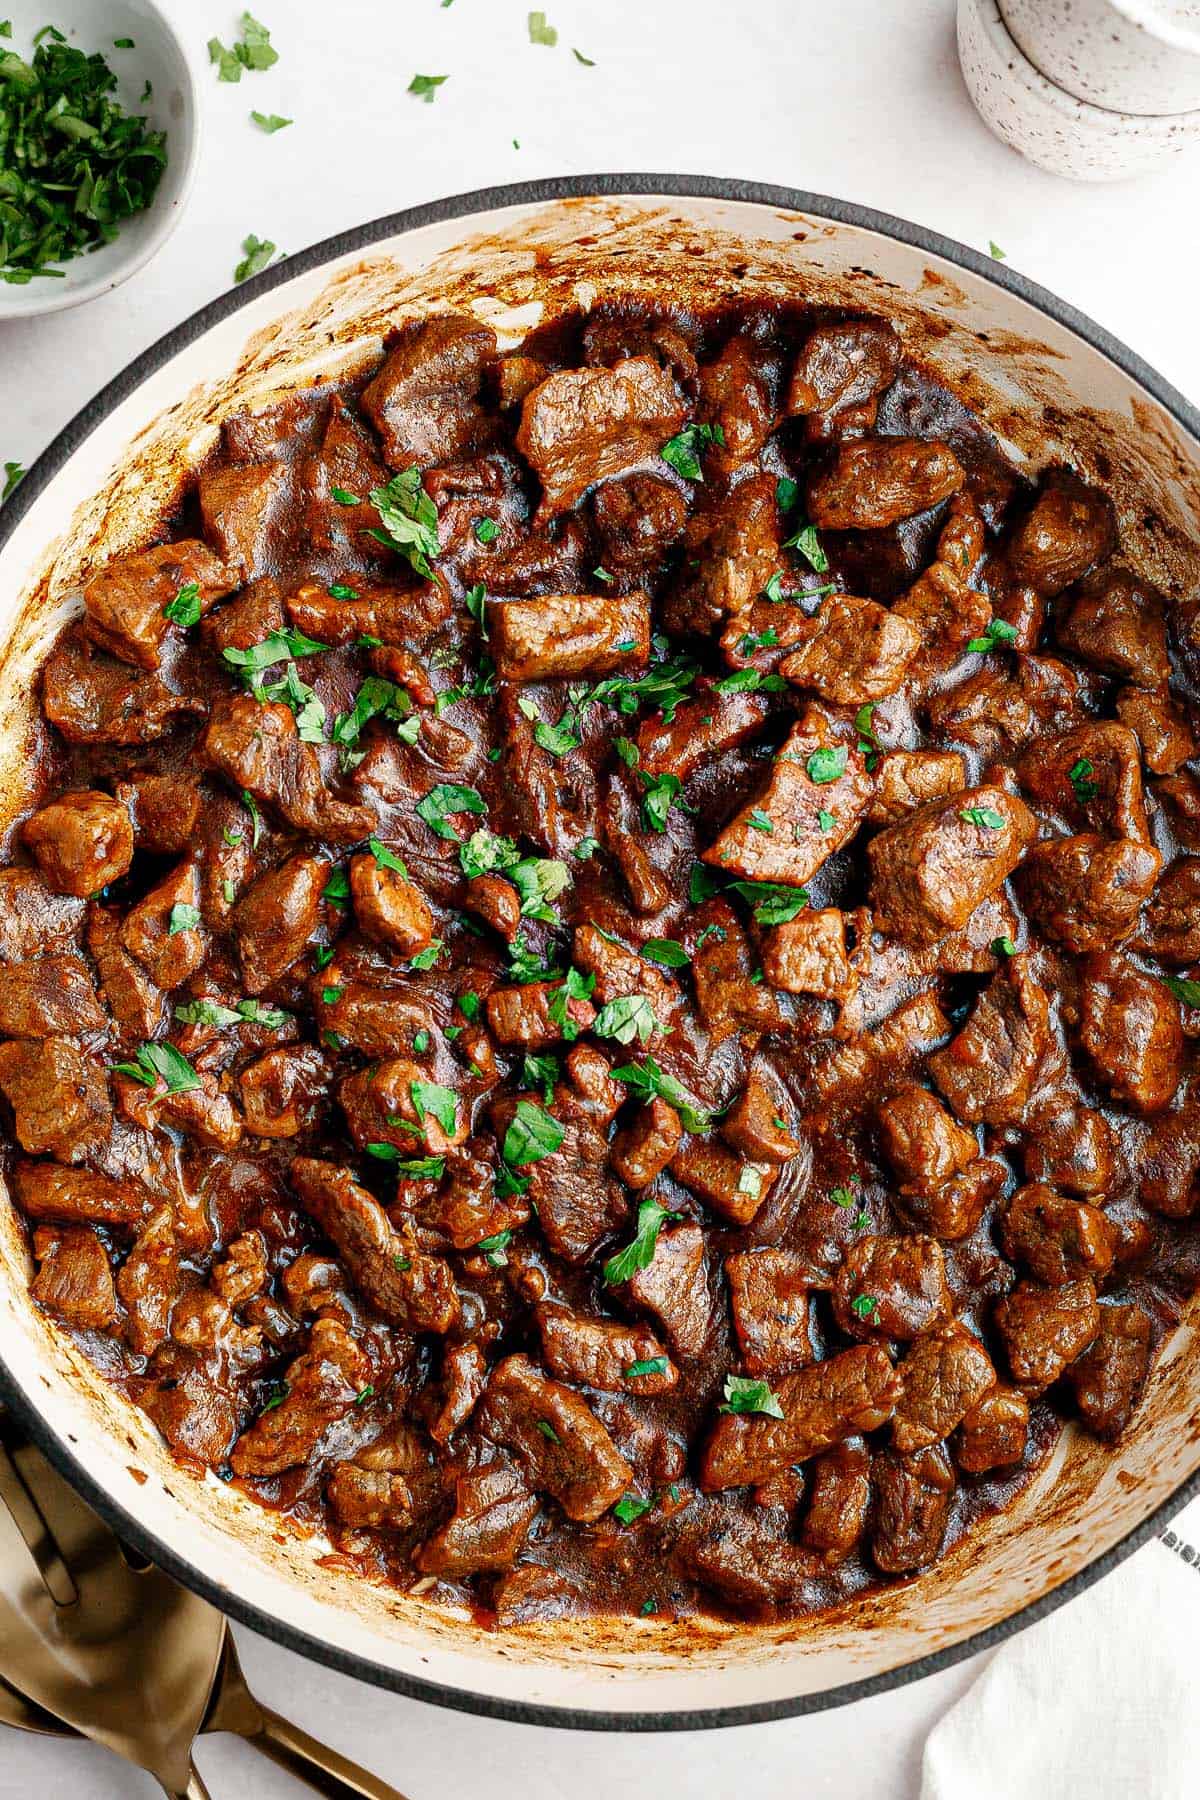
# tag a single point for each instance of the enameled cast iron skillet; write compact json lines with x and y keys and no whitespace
{"x":1053,"y":386}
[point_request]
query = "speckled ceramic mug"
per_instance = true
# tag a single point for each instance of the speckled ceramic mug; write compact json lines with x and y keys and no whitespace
{"x":1129,"y":56}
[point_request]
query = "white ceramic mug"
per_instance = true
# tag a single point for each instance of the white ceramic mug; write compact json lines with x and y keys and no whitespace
{"x":1132,"y":56}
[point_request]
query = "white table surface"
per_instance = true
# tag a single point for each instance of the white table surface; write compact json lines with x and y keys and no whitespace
{"x":856,"y":98}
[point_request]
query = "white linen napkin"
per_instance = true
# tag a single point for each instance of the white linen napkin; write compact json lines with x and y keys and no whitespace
{"x":1096,"y":1702}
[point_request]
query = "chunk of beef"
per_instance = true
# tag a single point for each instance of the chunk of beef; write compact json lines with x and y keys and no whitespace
{"x":283,"y":1091}
{"x":536,"y":1015}
{"x":963,"y":536}
{"x":1108,"y":1379}
{"x":52,"y":997}
{"x":723,"y":968}
{"x":236,"y":504}
{"x":148,"y":1282}
{"x":795,"y":846}
{"x":700,"y":730}
{"x":163,"y":930}
{"x":1044,"y":1329}
{"x":1092,"y":776}
{"x":1069,"y":528}
{"x":256,"y":746}
{"x":924,"y":1145}
{"x":989,"y":1070}
{"x":620,"y":973}
{"x":930,"y":872}
{"x":642,"y":1151}
{"x":124,"y":604}
{"x":946,"y":614}
{"x":1116,"y":622}
{"x":34,"y":921}
{"x":731,"y":1185}
{"x":369,"y":1498}
{"x":952,"y":1209}
{"x":745,"y":1561}
{"x":839,"y":1494}
{"x":464,"y":1376}
{"x":241,"y":623}
{"x":807,"y":955}
{"x":1000,"y":710}
{"x":638,"y":520}
{"x":138,"y":1005}
{"x":891,"y":1287}
{"x":852,"y":651}
{"x":1166,"y":738}
{"x":466,"y":1208}
{"x":164,"y":810}
{"x":196,"y":1411}
{"x":757,"y":1122}
{"x":1085,"y":892}
{"x":74,"y":1279}
{"x":608,"y":340}
{"x":569,"y":634}
{"x":396,"y":615}
{"x":493,"y":1510}
{"x":319,"y":1387}
{"x":388,"y":907}
{"x":348,"y":461}
{"x":841,"y":370}
{"x":597,"y":1354}
{"x":1059,"y":1240}
{"x":674,"y":1286}
{"x":275,"y":920}
{"x":205,"y":1112}
{"x":943,"y":1376}
{"x":80,"y":842}
{"x":1073,"y":1148}
{"x":58,"y":1096}
{"x":1171,"y":923}
{"x":96,"y":699}
{"x":577,"y":1203}
{"x":907,"y":779}
{"x":855,"y":1391}
{"x":880,"y":481}
{"x":736,"y":400}
{"x":424,"y":402}
{"x":47,"y":1191}
{"x":563,"y":1446}
{"x":581,"y":426}
{"x":404,"y":1286}
{"x":994,"y":1431}
{"x":495,"y":901}
{"x":243,"y":1272}
{"x":912,"y":1507}
{"x":1130,"y":1027}
{"x":385,"y":1103}
{"x":768,"y":1291}
{"x":732,"y":547}
{"x":378,"y":1021}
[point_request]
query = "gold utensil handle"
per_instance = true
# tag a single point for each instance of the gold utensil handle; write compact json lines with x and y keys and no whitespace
{"x":320,"y":1768}
{"x":195,"y":1789}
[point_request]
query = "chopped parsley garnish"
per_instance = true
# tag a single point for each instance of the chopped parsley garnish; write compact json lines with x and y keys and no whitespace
{"x":495,"y":1248}
{"x":14,"y":475}
{"x":344,"y":497}
{"x":750,"y":1394}
{"x":574,"y":986}
{"x":425,"y":959}
{"x":683,"y":450}
{"x":363,"y":1394}
{"x":826,"y":820}
{"x":376,"y":698}
{"x":256,"y":254}
{"x":774,"y":903}
{"x":184,"y":609}
{"x":586,"y":848}
{"x":182,"y":917}
{"x":248,"y":801}
{"x":826,"y":764}
{"x":432,"y":1101}
{"x":630,"y":1507}
{"x":541,"y":1071}
{"x":759,"y":821}
{"x":750,"y":681}
{"x":863,"y":1305}
{"x":486,"y":530}
{"x":270,"y":122}
{"x":540,"y":32}
{"x":1003,"y":946}
{"x":808,"y":544}
{"x":409,"y":520}
{"x":443,"y":802}
{"x":787,"y":492}
{"x":74,"y":165}
{"x":1183,"y":989}
{"x":999,"y":632}
{"x":337,"y":888}
{"x":984,"y":816}
{"x":282,"y":1390}
{"x":531,"y":1135}
{"x":276,"y":647}
{"x":253,"y":51}
{"x":581,"y":58}
{"x":652,"y":1365}
{"x":628,"y":1018}
{"x":1080,"y":778}
{"x":640,"y":1253}
{"x":662,"y":791}
{"x":386,"y":859}
{"x":666,"y":951}
{"x":600,"y":573}
{"x":547,"y":1430}
{"x":702,"y":884}
{"x":161,"y":1062}
{"x":647,"y":1081}
{"x":426,"y":86}
{"x":995,"y":251}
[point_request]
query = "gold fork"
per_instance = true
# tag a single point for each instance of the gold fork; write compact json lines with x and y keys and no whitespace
{"x":123,"y":1654}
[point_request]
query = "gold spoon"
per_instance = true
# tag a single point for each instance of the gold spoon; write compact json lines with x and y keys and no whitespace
{"x":123,"y":1654}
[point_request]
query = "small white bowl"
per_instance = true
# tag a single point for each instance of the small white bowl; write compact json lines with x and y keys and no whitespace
{"x":160,"y":57}
{"x":1046,"y":124}
{"x":1134,"y":56}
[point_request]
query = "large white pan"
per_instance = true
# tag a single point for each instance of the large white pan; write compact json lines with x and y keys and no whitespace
{"x":1053,"y":385}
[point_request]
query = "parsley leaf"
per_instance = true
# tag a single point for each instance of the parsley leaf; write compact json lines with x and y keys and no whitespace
{"x":630,"y":1507}
{"x":440,"y":1103}
{"x":808,"y":544}
{"x":984,"y":816}
{"x":257,"y":253}
{"x":184,"y":609}
{"x":666,"y":951}
{"x":640,"y":1253}
{"x":585,"y":60}
{"x":1183,"y":989}
{"x":651,"y":1365}
{"x":647,"y":1081}
{"x":442,"y":802}
{"x":998,"y":632}
{"x":540,"y":32}
{"x":1080,"y":778}
{"x":574,"y":986}
{"x":863,"y":1305}
{"x":14,"y":475}
{"x":409,"y":519}
{"x":541,"y":1071}
{"x":532,"y":1134}
{"x":426,"y":86}
{"x":683,"y":450}
{"x":270,"y":122}
{"x":626,"y":1018}
{"x":161,"y":1062}
{"x":774,"y":903}
{"x":182,"y":918}
{"x":750,"y":1394}
{"x":826,"y":764}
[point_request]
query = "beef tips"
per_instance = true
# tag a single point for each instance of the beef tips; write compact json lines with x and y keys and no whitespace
{"x":388,"y":907}
{"x":907,"y":779}
{"x":990,"y":1069}
{"x":731,"y":1185}
{"x":930,"y":872}
{"x":749,"y":1566}
{"x":732,"y":547}
{"x":853,"y":651}
{"x":674,"y":1286}
{"x":164,"y":810}
{"x":994,"y":1431}
{"x":74,"y":1279}
{"x":699,"y":731}
{"x":97,"y":699}
{"x":58,"y":1096}
{"x":638,"y":520}
{"x":370,"y":1498}
{"x":275,"y":920}
{"x":1058,"y":1239}
{"x":911,"y":1508}
{"x":780,"y":836}
{"x":396,"y":615}
{"x":736,"y":400}
{"x":148,"y":1282}
{"x":80,"y":842}
{"x":1045,"y":1328}
{"x":137,"y":1003}
{"x":319,"y":1388}
{"x":943,"y":1376}
{"x":577,"y":1204}
{"x":283,"y":1091}
{"x":386,"y":1103}
{"x":1161,"y":728}
{"x":880,"y":481}
{"x":52,"y":997}
{"x":840,"y":371}
{"x":581,"y":426}
{"x":855,"y":1391}
{"x":163,"y":931}
{"x":1069,"y":528}
{"x":404,"y":1286}
{"x":33,"y":920}
{"x":1116,"y":622}
{"x":839,"y":1494}
{"x":924,"y":1145}
{"x":1131,"y":1029}
{"x":257,"y":748}
{"x":617,"y":1359}
{"x":723,"y":970}
{"x":236,"y":505}
{"x":563,"y":1447}
{"x":768,"y":1291}
{"x":536,"y":1015}
{"x":48,"y":1192}
{"x":424,"y":402}
{"x":891,"y":1287}
{"x":1085,"y":892}
{"x":807,"y":955}
{"x":1171,"y":923}
{"x":1108,"y":1379}
{"x":1092,"y":777}
{"x":493,"y":1510}
{"x":644,"y":1148}
{"x":569,"y":634}
{"x":1072,"y":1148}
{"x":947,"y":616}
{"x":125,"y":604}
